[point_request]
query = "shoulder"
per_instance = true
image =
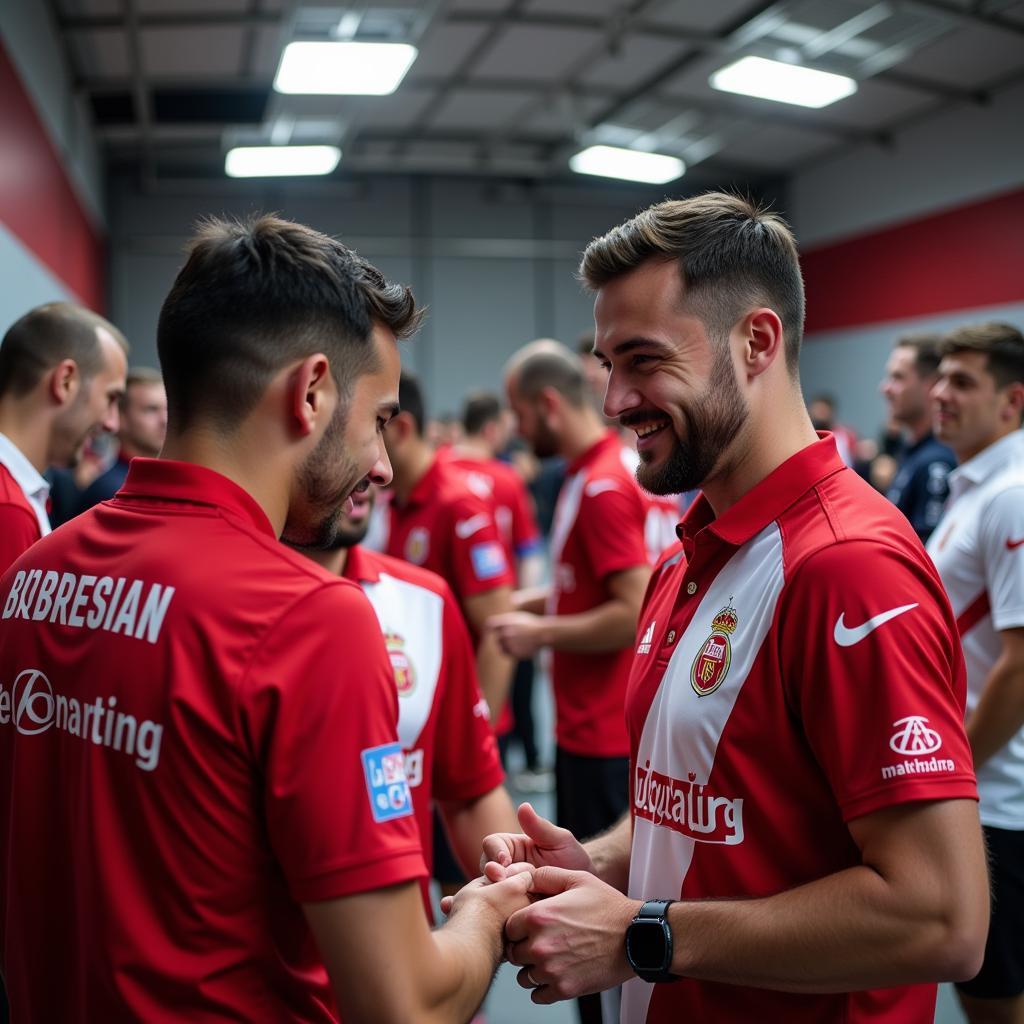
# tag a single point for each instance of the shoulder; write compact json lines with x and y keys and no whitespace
{"x":414,"y":575}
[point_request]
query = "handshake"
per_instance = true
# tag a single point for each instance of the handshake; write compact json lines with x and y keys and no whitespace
{"x":561,"y":923}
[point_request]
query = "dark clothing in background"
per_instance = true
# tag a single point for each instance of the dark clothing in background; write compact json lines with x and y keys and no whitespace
{"x":920,"y":488}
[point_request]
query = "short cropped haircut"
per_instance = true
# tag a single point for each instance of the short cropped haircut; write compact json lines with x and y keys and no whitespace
{"x":927,"y":350}
{"x":45,"y":336}
{"x":732,"y":255}
{"x":550,"y":364}
{"x":139,"y":375}
{"x":479,"y":409}
{"x":1001,"y":343}
{"x":259,"y":294}
{"x":410,"y":400}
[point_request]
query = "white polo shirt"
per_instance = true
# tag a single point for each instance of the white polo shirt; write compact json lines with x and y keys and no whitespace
{"x":978,"y":548}
{"x":28,"y":478}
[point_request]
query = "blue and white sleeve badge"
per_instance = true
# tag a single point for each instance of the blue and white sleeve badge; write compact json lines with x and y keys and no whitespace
{"x":488,"y":560}
{"x":386,"y":784}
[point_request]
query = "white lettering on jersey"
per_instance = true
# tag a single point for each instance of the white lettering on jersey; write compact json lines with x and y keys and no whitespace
{"x":673,"y":807}
{"x":33,"y":707}
{"x":416,"y":614}
{"x":846,"y":636}
{"x":646,"y":640}
{"x":131,"y":607}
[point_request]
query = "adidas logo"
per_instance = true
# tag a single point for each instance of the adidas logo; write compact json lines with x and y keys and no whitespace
{"x":646,"y":640}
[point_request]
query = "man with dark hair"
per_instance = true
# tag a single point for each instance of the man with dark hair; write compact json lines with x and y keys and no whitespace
{"x":143,"y":412}
{"x":978,"y":548}
{"x":919,"y":489}
{"x":204,"y":800}
{"x":588,"y":615}
{"x":803,"y":842}
{"x":61,"y":373}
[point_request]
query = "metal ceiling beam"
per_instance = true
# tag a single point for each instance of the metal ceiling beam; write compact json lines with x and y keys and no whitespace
{"x":140,"y":92}
{"x":963,"y":15}
{"x":195,"y":19}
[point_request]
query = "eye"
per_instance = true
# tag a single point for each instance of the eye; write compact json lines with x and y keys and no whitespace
{"x":641,"y":360}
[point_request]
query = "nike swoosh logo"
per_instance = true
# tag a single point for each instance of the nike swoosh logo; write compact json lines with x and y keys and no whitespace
{"x":847,"y":637}
{"x":467,"y":527}
{"x":1011,"y":544}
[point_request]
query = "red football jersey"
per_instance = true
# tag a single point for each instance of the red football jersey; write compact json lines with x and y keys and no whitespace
{"x":191,"y":747}
{"x":798,"y":667}
{"x":499,"y":483}
{"x":598,"y":529}
{"x":19,"y":526}
{"x":443,"y":722}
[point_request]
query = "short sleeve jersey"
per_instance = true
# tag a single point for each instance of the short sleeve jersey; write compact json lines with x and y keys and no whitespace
{"x":445,"y":527}
{"x":598,"y":530}
{"x":499,"y":483}
{"x":920,"y":487}
{"x":443,"y":723}
{"x":199,"y":725}
{"x":23,"y":520}
{"x":798,"y":668}
{"x":978,"y":549}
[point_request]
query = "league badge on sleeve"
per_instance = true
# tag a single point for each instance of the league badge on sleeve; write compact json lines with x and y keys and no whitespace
{"x":488,"y":560}
{"x":386,"y":784}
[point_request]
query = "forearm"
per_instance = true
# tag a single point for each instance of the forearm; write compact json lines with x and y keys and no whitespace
{"x":468,"y":822}
{"x":607,"y":627}
{"x":609,"y":853}
{"x":999,"y":714}
{"x":494,"y":670}
{"x":470,"y":948}
{"x":531,"y":599}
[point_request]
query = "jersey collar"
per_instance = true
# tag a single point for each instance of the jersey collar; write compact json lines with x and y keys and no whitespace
{"x":359,"y":568}
{"x":989,"y":461}
{"x":188,"y":483}
{"x":764,"y":503}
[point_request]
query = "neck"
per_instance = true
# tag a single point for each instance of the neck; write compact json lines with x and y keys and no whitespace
{"x":417,"y":459}
{"x":474,"y":448}
{"x":758,"y":450}
{"x":585,"y":429}
{"x":265,"y":477}
{"x":920,"y":428}
{"x":28,"y":431}
{"x":334,"y":561}
{"x":963,"y":454}
{"x":129,"y":451}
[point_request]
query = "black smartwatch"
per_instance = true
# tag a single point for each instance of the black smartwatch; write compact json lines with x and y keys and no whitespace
{"x":649,"y":942}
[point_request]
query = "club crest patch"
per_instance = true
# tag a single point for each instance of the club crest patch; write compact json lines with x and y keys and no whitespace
{"x":710,"y":667}
{"x":386,"y":784}
{"x":405,"y":674}
{"x":417,"y":544}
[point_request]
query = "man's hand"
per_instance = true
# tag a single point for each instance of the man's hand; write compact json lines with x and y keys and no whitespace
{"x":500,"y":899}
{"x":543,"y":844}
{"x":572,"y":940}
{"x":520,"y":634}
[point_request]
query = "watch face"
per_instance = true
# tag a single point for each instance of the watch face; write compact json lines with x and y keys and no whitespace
{"x":645,"y":944}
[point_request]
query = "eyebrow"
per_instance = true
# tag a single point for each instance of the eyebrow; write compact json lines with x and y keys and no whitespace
{"x":629,"y":344}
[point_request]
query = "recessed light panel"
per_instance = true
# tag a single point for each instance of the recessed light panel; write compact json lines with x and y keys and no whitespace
{"x":334,"y":69}
{"x":783,"y":83}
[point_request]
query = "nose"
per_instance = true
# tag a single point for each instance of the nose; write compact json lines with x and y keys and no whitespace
{"x":618,"y":397}
{"x":380,"y":472}
{"x":938,"y":391}
{"x":112,"y":421}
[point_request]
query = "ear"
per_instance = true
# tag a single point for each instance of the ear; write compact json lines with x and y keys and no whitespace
{"x":64,"y":381}
{"x":764,"y":343}
{"x":550,"y":401}
{"x":313,"y":395}
{"x":399,"y":428}
{"x":1014,"y":401}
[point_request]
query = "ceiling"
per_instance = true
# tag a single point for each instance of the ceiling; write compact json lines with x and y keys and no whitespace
{"x":514,"y":87}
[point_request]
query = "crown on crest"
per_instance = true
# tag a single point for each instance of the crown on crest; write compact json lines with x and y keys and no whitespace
{"x":726,"y":620}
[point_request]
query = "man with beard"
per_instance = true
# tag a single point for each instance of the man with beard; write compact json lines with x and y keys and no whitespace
{"x":803,"y":842}
{"x":588,"y":616}
{"x":62,"y":372}
{"x":204,"y":812}
{"x":443,"y":723}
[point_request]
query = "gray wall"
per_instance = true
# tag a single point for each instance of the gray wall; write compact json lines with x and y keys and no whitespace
{"x":493,"y":260}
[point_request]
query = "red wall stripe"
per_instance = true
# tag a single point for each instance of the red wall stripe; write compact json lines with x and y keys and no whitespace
{"x":37,"y":201}
{"x":959,"y":259}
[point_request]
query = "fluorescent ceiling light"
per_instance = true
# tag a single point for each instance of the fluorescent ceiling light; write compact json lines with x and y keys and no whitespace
{"x":628,"y":164}
{"x":364,"y":69}
{"x":784,"y":83}
{"x":280,"y":161}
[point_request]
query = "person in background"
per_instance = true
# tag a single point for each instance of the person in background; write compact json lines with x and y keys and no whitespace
{"x":978,"y":548}
{"x":919,"y":489}
{"x":62,"y":371}
{"x":822,"y":410}
{"x":141,"y":432}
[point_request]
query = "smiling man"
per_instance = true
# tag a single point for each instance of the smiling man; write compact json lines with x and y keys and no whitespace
{"x":978,"y":548}
{"x":803,"y":842}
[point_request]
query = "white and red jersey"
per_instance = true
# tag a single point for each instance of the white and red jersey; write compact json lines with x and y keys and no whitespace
{"x":798,"y":668}
{"x":197,"y":735}
{"x":598,"y":530}
{"x":443,"y":722}
{"x":978,"y":548}
{"x":500,"y":484}
{"x":23,"y":497}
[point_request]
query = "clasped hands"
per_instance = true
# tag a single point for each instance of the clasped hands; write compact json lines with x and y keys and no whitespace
{"x":568,"y":935}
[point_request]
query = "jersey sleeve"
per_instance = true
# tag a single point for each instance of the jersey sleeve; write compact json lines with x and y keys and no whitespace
{"x":1002,"y":545}
{"x":611,"y":526}
{"x":19,"y":530}
{"x":478,"y":558}
{"x":873,"y":670}
{"x":466,"y":762}
{"x":319,"y":709}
